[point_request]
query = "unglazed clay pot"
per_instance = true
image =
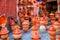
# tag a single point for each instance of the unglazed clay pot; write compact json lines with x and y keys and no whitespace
{"x":3,"y":21}
{"x":56,"y":14}
{"x":20,"y":15}
{"x":59,"y":19}
{"x":57,"y":26}
{"x":35,"y":35}
{"x":58,"y":38}
{"x":25,"y":25}
{"x":4,"y":34}
{"x":21,"y":19}
{"x":52,"y":31}
{"x":52,"y":38}
{"x":42,"y":21}
{"x":51,"y":15}
{"x":17,"y":33}
{"x":12,"y":22}
{"x":15,"y":26}
{"x":46,"y":20}
{"x":34,"y":28}
{"x":34,"y":20}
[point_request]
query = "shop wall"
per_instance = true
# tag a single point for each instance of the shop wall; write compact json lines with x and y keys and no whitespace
{"x":8,"y":8}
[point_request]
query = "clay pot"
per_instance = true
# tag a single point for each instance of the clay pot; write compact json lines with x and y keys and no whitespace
{"x":42,"y":21}
{"x":4,"y":33}
{"x":34,"y":28}
{"x":34,"y":20}
{"x":35,"y":35}
{"x":20,"y":15}
{"x":3,"y":21}
{"x":56,"y":14}
{"x":59,"y":38}
{"x":17,"y":33}
{"x":56,"y":24}
{"x":52,"y":31}
{"x":52,"y":38}
{"x":12,"y":22}
{"x":59,"y":19}
{"x":51,"y":15}
{"x":15,"y":26}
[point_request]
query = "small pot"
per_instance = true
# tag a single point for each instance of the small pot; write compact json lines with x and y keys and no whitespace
{"x":4,"y":33}
{"x":35,"y":36}
{"x":17,"y":33}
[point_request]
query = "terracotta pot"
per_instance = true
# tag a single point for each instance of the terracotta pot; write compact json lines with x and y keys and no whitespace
{"x":12,"y":22}
{"x":59,"y":38}
{"x":34,"y":20}
{"x":4,"y":33}
{"x":52,"y":31}
{"x":51,"y":15}
{"x":22,"y":19}
{"x":35,"y":35}
{"x":20,"y":15}
{"x":3,"y":21}
{"x":56,"y":25}
{"x":59,"y":19}
{"x":34,"y":28}
{"x":52,"y":38}
{"x":42,"y":21}
{"x":56,"y":14}
{"x":15,"y":26}
{"x":17,"y":33}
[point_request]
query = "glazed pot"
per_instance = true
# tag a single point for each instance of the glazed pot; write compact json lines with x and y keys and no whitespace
{"x":42,"y":29}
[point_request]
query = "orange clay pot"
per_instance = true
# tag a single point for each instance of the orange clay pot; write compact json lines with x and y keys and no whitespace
{"x":3,"y":21}
{"x":12,"y":22}
{"x":32,"y":13}
{"x":21,"y":19}
{"x":56,"y":24}
{"x":59,"y":19}
{"x":20,"y":15}
{"x":35,"y":35}
{"x":42,"y":21}
{"x":26,"y":16}
{"x":52,"y":38}
{"x":34,"y":28}
{"x":56,"y":14}
{"x":17,"y":33}
{"x":59,"y":38}
{"x":52,"y":31}
{"x":51,"y":15}
{"x":34,"y":20}
{"x":15,"y":26}
{"x":4,"y":33}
